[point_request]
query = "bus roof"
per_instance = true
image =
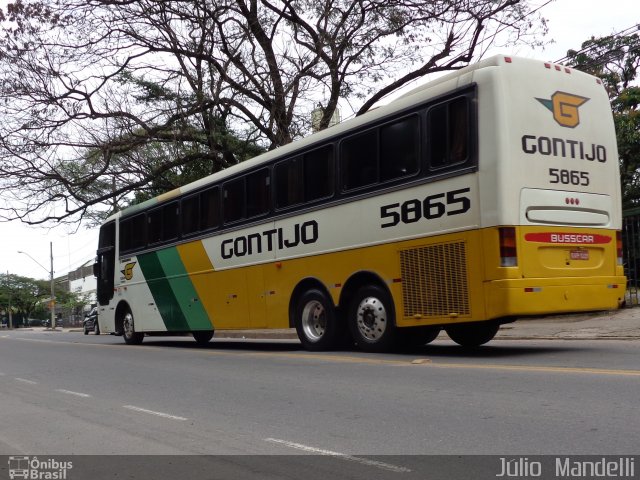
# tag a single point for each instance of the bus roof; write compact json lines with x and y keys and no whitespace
{"x":456,"y":79}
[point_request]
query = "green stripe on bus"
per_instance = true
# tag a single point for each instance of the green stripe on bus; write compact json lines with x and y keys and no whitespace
{"x":185,"y":293}
{"x":162,"y":293}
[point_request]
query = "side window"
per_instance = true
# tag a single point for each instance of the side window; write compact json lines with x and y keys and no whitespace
{"x":163,"y":223}
{"x":359,"y":160}
{"x":233,"y":200}
{"x":449,"y":133}
{"x":399,"y":142}
{"x":154,"y":231}
{"x":318,"y":174}
{"x":258,"y":193}
{"x":170,"y":221}
{"x":210,"y":208}
{"x":288,"y":182}
{"x":190,"y":215}
{"x":133,"y":233}
{"x":306,"y":178}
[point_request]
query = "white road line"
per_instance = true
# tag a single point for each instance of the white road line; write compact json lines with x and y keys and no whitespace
{"x":344,"y":456}
{"x":24,"y":380}
{"x":151,"y":412}
{"x":70,"y":392}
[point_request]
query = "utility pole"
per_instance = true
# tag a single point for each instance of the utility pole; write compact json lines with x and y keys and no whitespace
{"x":10,"y":316}
{"x":53,"y":297}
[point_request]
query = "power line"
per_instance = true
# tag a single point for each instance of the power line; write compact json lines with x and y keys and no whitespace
{"x":591,"y":47}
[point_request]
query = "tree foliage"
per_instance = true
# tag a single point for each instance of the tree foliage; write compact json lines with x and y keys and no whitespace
{"x":616,"y":60}
{"x":101,"y":98}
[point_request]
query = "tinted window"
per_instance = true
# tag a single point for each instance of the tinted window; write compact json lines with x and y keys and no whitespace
{"x":318,"y":174}
{"x":133,"y":233}
{"x":210,"y":208}
{"x":399,"y":143}
{"x":449,"y":133}
{"x":289,"y":186}
{"x":190,"y":215}
{"x":359,"y":160}
{"x":170,"y":218}
{"x":258,"y":193}
{"x":233,"y":201}
{"x":154,"y":219}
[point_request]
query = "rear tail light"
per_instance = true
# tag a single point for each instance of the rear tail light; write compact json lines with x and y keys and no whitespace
{"x":508,"y":251}
{"x":619,"y":247}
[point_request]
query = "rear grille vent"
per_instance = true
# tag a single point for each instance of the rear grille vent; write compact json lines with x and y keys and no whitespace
{"x":434,"y":280}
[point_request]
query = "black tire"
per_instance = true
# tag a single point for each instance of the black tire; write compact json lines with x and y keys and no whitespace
{"x":472,"y":335}
{"x":371,"y":319}
{"x":413,"y":337}
{"x":202,"y":338}
{"x":84,"y":328}
{"x":96,"y":327}
{"x":131,"y":337}
{"x":317,"y":325}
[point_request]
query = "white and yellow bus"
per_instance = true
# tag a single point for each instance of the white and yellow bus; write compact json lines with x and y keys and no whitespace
{"x":487,"y":195}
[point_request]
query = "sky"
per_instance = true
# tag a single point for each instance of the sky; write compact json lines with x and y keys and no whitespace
{"x":570,"y":23}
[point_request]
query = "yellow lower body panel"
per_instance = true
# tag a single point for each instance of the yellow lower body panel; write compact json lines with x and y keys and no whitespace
{"x":530,"y":296}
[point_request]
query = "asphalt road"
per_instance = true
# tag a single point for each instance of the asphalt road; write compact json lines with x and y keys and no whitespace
{"x":69,"y":394}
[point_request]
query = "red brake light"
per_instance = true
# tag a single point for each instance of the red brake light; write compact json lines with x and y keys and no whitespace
{"x":508,"y":251}
{"x":619,"y":247}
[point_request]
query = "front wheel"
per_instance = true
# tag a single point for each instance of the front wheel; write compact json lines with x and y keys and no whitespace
{"x":131,"y":337}
{"x":316,"y":323}
{"x":96,"y":327}
{"x":202,"y":338}
{"x":372,"y":319}
{"x":472,"y":335}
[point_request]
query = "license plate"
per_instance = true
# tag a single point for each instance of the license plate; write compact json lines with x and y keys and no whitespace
{"x":579,"y":254}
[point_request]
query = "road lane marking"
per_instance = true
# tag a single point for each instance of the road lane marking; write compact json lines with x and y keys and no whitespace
{"x":24,"y":380}
{"x":71,"y":392}
{"x":152,"y":412}
{"x":319,"y":451}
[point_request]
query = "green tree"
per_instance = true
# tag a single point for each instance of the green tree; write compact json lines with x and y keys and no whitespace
{"x":616,"y":60}
{"x":91,"y":89}
{"x":28,"y":297}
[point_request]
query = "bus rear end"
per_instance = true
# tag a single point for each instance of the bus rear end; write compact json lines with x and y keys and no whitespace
{"x":554,"y":213}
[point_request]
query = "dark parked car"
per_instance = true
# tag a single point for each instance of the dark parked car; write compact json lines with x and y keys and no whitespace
{"x":90,"y":322}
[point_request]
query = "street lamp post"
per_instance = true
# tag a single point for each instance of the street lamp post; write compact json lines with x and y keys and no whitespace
{"x":53,"y":297}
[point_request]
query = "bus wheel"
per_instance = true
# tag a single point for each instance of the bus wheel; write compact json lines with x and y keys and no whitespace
{"x":316,"y":322}
{"x":472,"y":335}
{"x":412,"y":337}
{"x":202,"y":338}
{"x":372,"y":319}
{"x":131,"y":337}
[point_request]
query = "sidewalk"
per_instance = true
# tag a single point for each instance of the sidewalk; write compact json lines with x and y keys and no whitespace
{"x":623,"y":324}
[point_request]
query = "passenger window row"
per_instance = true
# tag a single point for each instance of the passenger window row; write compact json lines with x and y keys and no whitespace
{"x":384,"y":154}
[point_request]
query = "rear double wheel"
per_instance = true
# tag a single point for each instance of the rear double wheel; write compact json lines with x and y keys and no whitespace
{"x":316,"y":323}
{"x":371,"y":319}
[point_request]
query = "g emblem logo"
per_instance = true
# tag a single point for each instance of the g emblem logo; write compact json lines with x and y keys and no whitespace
{"x":564,"y":107}
{"x":128,"y":270}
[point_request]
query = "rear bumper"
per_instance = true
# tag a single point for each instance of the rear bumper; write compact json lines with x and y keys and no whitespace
{"x":531,"y":296}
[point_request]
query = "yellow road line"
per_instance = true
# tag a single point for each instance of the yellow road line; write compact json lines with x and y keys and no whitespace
{"x":409,"y":362}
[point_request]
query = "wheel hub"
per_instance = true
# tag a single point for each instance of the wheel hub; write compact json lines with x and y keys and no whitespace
{"x":314,"y":321}
{"x":372,"y":318}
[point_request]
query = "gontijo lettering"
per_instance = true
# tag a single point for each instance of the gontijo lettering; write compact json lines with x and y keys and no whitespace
{"x":269,"y":240}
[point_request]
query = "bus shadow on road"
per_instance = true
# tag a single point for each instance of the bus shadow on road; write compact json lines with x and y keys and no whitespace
{"x":438,"y":350}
